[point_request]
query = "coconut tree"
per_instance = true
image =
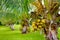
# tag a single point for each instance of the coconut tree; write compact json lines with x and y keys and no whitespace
{"x":48,"y":11}
{"x":9,"y":11}
{"x":24,"y":15}
{"x":53,"y":10}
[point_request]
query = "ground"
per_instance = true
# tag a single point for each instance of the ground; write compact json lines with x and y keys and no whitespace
{"x":7,"y":34}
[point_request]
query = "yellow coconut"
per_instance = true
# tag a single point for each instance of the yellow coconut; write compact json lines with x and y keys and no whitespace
{"x":37,"y":23}
{"x":38,"y":20}
{"x":43,"y":20}
{"x":40,"y":26}
{"x":33,"y":24}
{"x":35,"y":27}
{"x":41,"y":23}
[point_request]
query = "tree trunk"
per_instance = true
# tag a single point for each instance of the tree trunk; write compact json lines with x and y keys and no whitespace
{"x":25,"y":26}
{"x":24,"y":30}
{"x":12,"y":26}
{"x":52,"y":34}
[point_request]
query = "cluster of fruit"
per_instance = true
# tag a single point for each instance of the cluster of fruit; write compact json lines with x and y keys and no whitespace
{"x":38,"y":24}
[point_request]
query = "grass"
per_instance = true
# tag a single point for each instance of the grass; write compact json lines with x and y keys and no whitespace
{"x":7,"y":34}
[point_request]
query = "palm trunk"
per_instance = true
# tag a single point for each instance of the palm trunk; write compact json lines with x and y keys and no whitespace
{"x":24,"y":30}
{"x":12,"y":26}
{"x":52,"y":35}
{"x":25,"y":26}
